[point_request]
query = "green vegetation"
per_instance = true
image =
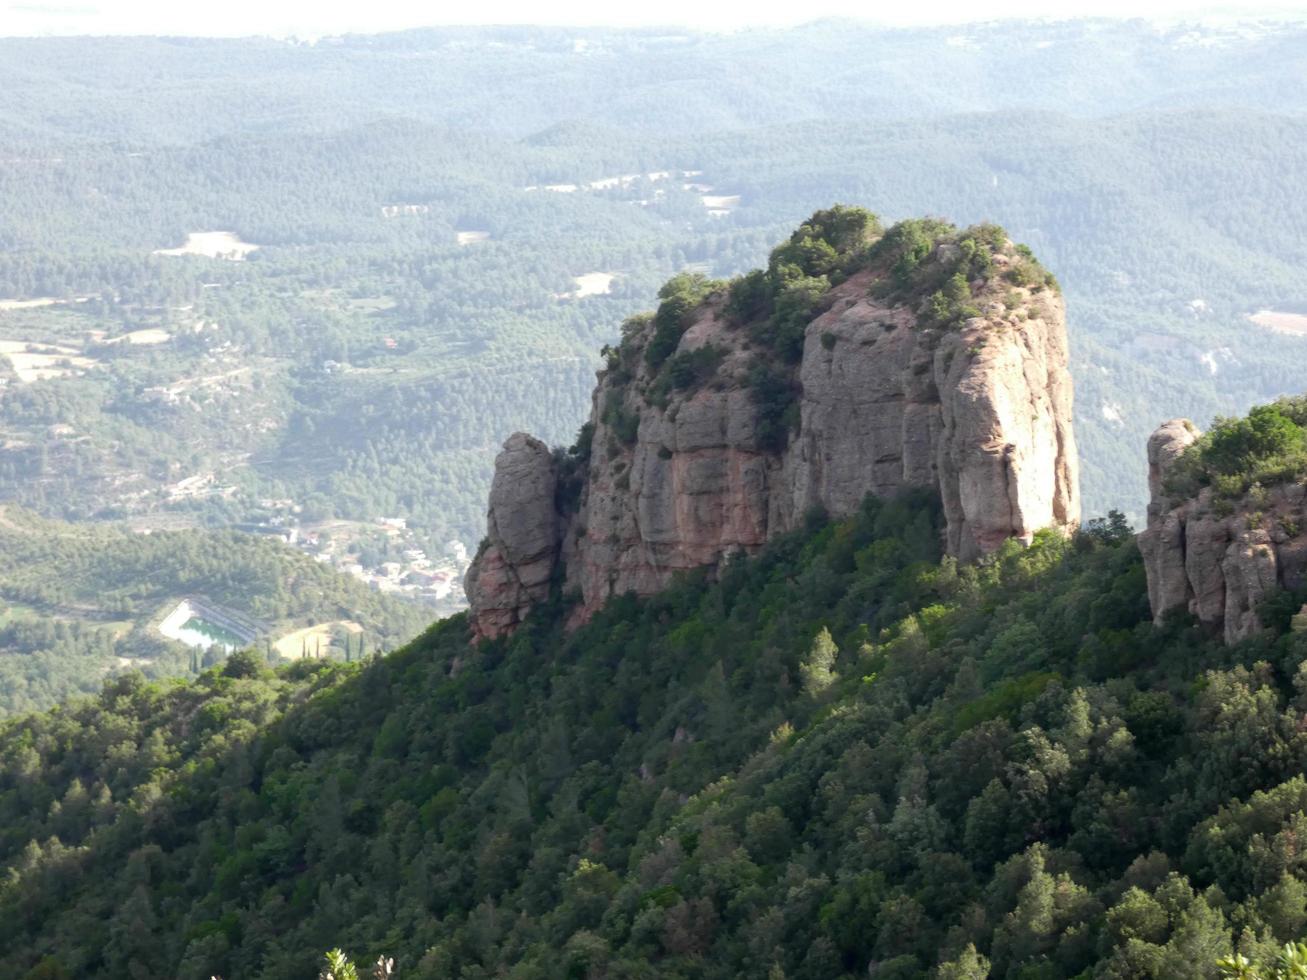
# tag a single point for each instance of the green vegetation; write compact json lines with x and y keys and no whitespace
{"x":916,"y":257}
{"x":624,"y":421}
{"x":573,"y":464}
{"x":965,"y":261}
{"x":686,"y":371}
{"x":831,"y":243}
{"x":907,"y":245}
{"x":486,"y":338}
{"x":680,"y":297}
{"x":339,"y":967}
{"x":1290,"y":964}
{"x":951,"y":306}
{"x":81,"y":602}
{"x":847,"y":751}
{"x":1267,"y":447}
{"x":778,"y":304}
{"x":776,"y":394}
{"x":1019,"y":777}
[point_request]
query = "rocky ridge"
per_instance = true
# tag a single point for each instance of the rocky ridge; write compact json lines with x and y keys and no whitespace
{"x":1215,"y":555}
{"x":860,"y":362}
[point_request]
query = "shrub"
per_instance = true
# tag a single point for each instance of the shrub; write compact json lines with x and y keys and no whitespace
{"x":750,"y":297}
{"x":572,"y":465}
{"x":907,"y":245}
{"x":680,"y":296}
{"x":833,"y":240}
{"x":952,"y":304}
{"x":685,"y":371}
{"x":797,"y":303}
{"x":828,"y":246}
{"x":1237,"y":445}
{"x":691,"y":368}
{"x":1267,"y":447}
{"x":778,"y":407}
{"x":624,"y":422}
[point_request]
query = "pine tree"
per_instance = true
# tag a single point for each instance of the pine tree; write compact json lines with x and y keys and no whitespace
{"x":817,"y":671}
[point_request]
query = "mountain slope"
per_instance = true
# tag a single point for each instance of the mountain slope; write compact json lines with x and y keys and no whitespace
{"x":846,"y":752}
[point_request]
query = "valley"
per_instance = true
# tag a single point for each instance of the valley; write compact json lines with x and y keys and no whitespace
{"x":81,"y":602}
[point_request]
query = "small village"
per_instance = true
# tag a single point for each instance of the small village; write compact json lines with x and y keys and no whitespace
{"x":383,"y":553}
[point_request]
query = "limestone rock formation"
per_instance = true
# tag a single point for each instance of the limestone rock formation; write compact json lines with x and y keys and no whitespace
{"x":1215,"y":557}
{"x":707,"y":438}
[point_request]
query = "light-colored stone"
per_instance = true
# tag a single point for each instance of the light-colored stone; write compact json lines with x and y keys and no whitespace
{"x":1250,"y":576}
{"x":980,"y":413}
{"x":1162,"y":543}
{"x":514,"y":569}
{"x":1218,"y":562}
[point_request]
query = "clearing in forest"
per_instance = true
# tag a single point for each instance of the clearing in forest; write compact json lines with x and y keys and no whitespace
{"x":294,"y":645}
{"x":593,"y":284}
{"x":212,"y":245}
{"x":40,"y":362}
{"x":1290,"y":323}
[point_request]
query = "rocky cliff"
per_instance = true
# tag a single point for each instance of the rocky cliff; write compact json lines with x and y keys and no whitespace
{"x":859,"y":362}
{"x":1218,"y":550}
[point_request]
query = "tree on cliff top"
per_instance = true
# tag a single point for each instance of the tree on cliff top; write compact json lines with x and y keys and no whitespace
{"x":1267,"y":446}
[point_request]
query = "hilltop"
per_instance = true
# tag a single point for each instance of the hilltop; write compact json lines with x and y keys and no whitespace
{"x":1225,"y":533}
{"x":358,"y":172}
{"x":860,"y":361}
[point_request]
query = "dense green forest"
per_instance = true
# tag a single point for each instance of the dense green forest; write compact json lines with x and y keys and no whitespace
{"x":848,"y":754}
{"x":81,"y":603}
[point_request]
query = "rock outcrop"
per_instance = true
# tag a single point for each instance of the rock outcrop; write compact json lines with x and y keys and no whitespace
{"x":724,"y":440}
{"x":513,"y":570}
{"x":1215,"y":557}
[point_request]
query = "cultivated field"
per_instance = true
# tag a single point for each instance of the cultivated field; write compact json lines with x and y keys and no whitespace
{"x":294,"y":645}
{"x":40,"y":362}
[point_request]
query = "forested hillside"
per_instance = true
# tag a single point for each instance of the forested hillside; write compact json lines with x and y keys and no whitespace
{"x":79,"y":604}
{"x":848,"y":754}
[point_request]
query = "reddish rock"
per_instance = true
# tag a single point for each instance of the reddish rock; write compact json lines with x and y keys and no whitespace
{"x":980,"y":412}
{"x":1218,"y":559}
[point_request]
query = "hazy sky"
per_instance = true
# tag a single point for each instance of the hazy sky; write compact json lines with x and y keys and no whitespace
{"x":307,"y":18}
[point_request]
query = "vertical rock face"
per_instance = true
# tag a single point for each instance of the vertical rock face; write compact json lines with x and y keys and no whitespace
{"x":512,"y":571}
{"x":1163,"y":542}
{"x":981,"y":412}
{"x":883,"y":398}
{"x":1218,"y":558}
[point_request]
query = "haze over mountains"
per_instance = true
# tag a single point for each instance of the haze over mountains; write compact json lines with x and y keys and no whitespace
{"x":427,"y":222}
